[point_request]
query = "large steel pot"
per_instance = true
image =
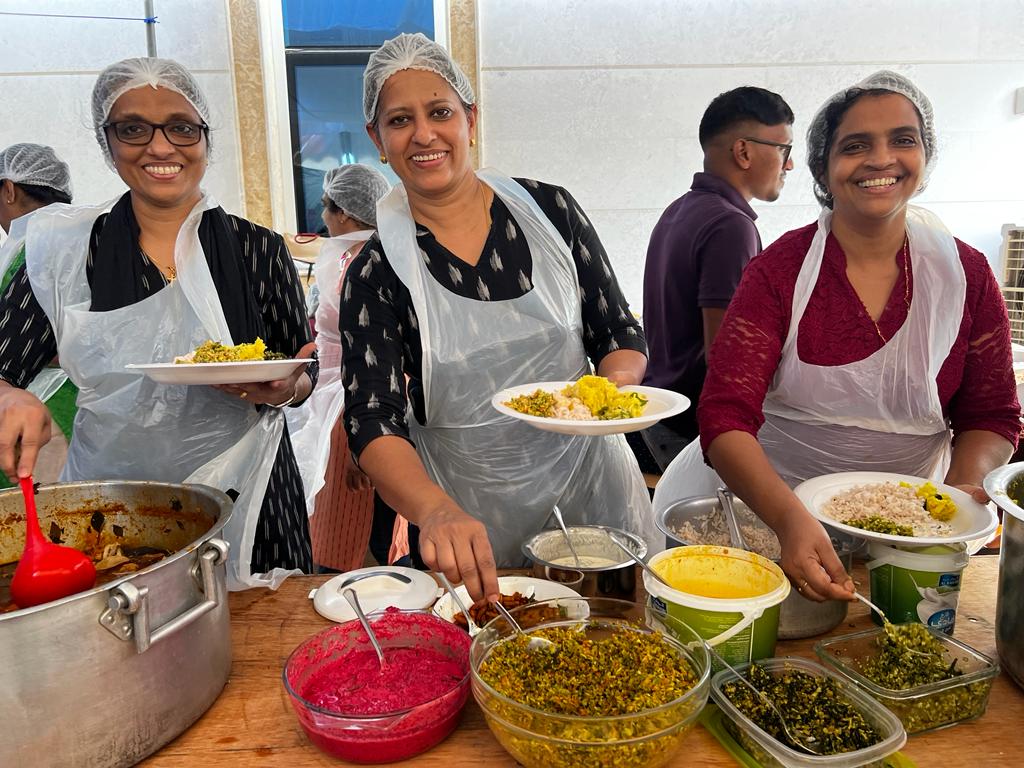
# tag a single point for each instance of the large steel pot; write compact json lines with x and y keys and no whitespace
{"x":1006,"y":488}
{"x":798,"y":617}
{"x":106,"y":677}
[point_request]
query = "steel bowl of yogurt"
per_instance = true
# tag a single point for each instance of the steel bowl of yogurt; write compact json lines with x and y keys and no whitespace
{"x":607,"y":571}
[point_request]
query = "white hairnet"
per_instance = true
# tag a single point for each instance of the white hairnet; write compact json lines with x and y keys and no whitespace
{"x":822,"y":130}
{"x":356,"y":189}
{"x":410,"y":52}
{"x":35,"y":164}
{"x":129,"y":74}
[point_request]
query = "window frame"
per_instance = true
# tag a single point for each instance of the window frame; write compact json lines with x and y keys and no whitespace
{"x":310,"y":57}
{"x":278,"y":97}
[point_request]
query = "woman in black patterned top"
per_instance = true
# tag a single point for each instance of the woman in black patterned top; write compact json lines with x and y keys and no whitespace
{"x":163,"y":270}
{"x":475,"y":283}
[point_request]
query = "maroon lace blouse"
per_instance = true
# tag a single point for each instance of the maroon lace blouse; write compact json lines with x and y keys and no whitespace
{"x":976,"y":382}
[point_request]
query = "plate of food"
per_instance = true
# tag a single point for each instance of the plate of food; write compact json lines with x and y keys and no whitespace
{"x":516,"y":591}
{"x":215,"y":363}
{"x":590,"y":406}
{"x":896,"y":509}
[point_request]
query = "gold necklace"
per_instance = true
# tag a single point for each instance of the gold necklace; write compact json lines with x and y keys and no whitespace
{"x":170,"y":273}
{"x":906,"y":289}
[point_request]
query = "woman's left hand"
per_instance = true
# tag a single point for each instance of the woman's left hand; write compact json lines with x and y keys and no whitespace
{"x":274,"y":392}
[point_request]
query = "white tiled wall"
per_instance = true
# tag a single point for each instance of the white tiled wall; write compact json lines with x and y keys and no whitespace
{"x":604,"y":97}
{"x":48,"y":67}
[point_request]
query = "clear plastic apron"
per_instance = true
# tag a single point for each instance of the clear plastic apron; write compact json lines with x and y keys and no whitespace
{"x":130,"y":427}
{"x":498,"y":469}
{"x":881,"y":413}
{"x":50,"y":379}
{"x":310,"y":424}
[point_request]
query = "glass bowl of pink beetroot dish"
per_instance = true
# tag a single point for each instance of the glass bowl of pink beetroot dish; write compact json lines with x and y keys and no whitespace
{"x":353,"y":709}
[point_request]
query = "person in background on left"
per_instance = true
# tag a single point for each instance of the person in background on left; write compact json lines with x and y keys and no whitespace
{"x":32,"y":177}
{"x":339,"y":497}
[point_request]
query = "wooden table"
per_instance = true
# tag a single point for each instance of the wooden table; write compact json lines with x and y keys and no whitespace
{"x":252,"y":723}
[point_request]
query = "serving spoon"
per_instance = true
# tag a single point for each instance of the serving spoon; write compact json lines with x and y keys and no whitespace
{"x":808,"y":745}
{"x":353,"y":600}
{"x":636,"y":559}
{"x":470,"y":624}
{"x":565,"y":532}
{"x":885,"y":620}
{"x":46,"y":571}
{"x":534,"y":642}
{"x":872,"y":606}
{"x":735,"y":535}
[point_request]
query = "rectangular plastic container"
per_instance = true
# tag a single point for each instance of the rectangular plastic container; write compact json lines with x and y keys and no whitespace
{"x":771,"y":753}
{"x":924,"y":707}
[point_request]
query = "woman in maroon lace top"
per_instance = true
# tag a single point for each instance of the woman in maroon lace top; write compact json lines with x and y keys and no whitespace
{"x":872,"y":340}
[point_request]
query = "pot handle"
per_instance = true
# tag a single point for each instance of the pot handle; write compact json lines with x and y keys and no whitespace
{"x":127,"y":613}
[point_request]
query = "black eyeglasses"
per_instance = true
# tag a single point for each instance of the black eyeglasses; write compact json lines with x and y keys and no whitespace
{"x":786,"y":148}
{"x":180,"y":133}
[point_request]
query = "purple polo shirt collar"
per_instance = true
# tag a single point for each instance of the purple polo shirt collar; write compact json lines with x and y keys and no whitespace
{"x":708,"y":182}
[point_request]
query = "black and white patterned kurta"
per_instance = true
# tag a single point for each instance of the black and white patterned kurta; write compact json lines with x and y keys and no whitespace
{"x":380,"y":334}
{"x":27,"y":344}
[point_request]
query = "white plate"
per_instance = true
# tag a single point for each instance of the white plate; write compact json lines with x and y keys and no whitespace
{"x":971,"y":521}
{"x":246,"y":372}
{"x":377,"y":589}
{"x":661,"y":403}
{"x":538,"y":589}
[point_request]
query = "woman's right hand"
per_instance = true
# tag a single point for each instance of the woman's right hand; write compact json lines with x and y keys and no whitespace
{"x":24,"y":429}
{"x":355,"y":478}
{"x":456,"y":544}
{"x":810,"y":560}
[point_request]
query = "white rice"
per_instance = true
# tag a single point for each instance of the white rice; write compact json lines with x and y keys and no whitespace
{"x":758,"y":537}
{"x":571,"y":408}
{"x":892,"y":501}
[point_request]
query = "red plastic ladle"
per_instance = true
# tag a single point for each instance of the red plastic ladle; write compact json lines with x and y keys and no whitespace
{"x":46,"y":571}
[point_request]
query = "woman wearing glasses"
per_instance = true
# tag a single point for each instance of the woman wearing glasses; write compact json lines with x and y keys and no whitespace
{"x":151,"y":277}
{"x":867,"y":340}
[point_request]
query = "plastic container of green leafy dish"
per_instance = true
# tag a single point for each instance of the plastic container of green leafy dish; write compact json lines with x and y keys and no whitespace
{"x":888,"y":735}
{"x":962,"y":696}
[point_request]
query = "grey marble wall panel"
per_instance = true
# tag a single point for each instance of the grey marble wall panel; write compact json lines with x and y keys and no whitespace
{"x":192,"y":31}
{"x":542,"y":33}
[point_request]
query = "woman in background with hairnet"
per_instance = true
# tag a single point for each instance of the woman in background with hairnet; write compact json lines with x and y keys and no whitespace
{"x":867,"y":340}
{"x":338,"y":495}
{"x":152,"y":276}
{"x":476,"y":282}
{"x":32,"y":177}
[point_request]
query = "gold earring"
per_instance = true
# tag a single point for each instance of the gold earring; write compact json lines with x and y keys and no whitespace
{"x":384,"y":159}
{"x":472,"y":141}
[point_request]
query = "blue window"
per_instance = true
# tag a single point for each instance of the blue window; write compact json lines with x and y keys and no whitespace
{"x":327,"y":45}
{"x":353,"y":23}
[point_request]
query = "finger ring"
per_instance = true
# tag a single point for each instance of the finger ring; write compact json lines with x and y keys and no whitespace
{"x":803,"y":583}
{"x":244,"y":394}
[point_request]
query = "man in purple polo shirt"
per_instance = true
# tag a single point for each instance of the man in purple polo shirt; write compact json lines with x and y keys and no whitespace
{"x":701,"y":244}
